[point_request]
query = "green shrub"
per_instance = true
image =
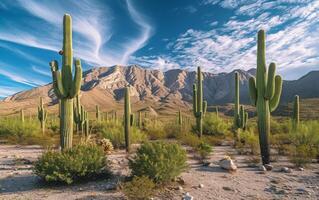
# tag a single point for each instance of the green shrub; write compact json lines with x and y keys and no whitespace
{"x":159,"y":161}
{"x":28,"y":133}
{"x":189,"y":139}
{"x":249,"y":140}
{"x":203,"y":150}
{"x":153,"y":130}
{"x":305,"y":143}
{"x":216,"y":126}
{"x":115,"y":133}
{"x":82,"y":162}
{"x":140,"y":188}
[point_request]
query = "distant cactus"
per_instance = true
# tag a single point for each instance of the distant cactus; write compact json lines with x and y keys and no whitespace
{"x":86,"y":124}
{"x":295,"y":115}
{"x":97,"y":113}
{"x":216,"y":111}
{"x":65,"y":86}
{"x":240,"y":116}
{"x":265,"y":94}
{"x":199,"y":107}
{"x":128,"y":118}
{"x":22,"y":116}
{"x":78,"y":115}
{"x":140,"y":120}
{"x":179,"y":118}
{"x":42,"y":115}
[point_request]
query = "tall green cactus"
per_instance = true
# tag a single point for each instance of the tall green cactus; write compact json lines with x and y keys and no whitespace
{"x":97,"y":113}
{"x":42,"y":115}
{"x":216,"y":111}
{"x":240,"y":116}
{"x":295,"y":115}
{"x":199,"y":107}
{"x":140,"y":120}
{"x":86,"y":124}
{"x":265,"y":92}
{"x":128,"y":118}
{"x":179,"y":118}
{"x":22,"y":116}
{"x":66,"y":87}
{"x":78,"y":114}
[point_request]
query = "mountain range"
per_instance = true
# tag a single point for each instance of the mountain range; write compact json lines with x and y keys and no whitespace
{"x":155,"y":91}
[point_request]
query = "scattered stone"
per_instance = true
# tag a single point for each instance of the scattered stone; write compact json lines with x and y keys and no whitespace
{"x":268,"y":167}
{"x":228,"y":188}
{"x":180,"y":180}
{"x":187,"y":196}
{"x":275,"y":181}
{"x":286,"y":170}
{"x":80,"y":189}
{"x":201,"y":185}
{"x":301,"y":169}
{"x":262,"y":168}
{"x":180,"y":188}
{"x":227,"y":163}
{"x":304,"y":191}
{"x":206,"y":164}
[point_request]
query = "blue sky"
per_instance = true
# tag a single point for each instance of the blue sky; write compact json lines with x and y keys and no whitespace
{"x":219,"y":35}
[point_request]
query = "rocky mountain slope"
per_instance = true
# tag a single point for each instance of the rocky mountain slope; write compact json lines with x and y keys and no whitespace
{"x":153,"y":89}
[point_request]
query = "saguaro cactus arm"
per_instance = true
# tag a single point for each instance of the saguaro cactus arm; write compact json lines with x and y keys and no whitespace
{"x":270,"y":89}
{"x":57,"y":80}
{"x":253,"y":90}
{"x":76,"y":86}
{"x":274,"y":101}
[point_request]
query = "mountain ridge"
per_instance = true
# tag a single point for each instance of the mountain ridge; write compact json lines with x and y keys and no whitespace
{"x":161,"y":90}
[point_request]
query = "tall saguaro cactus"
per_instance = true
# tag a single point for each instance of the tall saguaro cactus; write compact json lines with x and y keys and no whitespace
{"x":240,"y":116}
{"x":42,"y":115}
{"x":66,"y":87}
{"x":199,"y":106}
{"x":265,"y":92}
{"x":140,"y":120}
{"x":86,"y":124}
{"x":128,"y":118}
{"x":295,"y":114}
{"x":97,"y":113}
{"x":22,"y":116}
{"x":78,"y":114}
{"x":179,"y":118}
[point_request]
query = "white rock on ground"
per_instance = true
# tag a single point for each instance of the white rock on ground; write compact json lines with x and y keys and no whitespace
{"x":228,"y":164}
{"x":187,"y":196}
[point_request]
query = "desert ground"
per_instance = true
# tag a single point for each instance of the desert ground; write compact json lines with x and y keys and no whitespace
{"x":17,"y":180}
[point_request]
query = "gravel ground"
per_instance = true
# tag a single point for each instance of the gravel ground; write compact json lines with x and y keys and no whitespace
{"x":201,"y":182}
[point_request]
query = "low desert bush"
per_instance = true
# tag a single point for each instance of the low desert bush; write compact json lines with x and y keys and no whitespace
{"x":82,"y":162}
{"x":305,"y":143}
{"x":159,"y":161}
{"x":189,"y":139}
{"x":115,"y":133}
{"x":26,"y":133}
{"x":154,"y":129}
{"x":248,"y":141}
{"x":139,"y":188}
{"x":215,"y":126}
{"x":203,"y":150}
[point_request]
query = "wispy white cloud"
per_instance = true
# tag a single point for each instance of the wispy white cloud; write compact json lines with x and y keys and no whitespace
{"x":146,"y":32}
{"x":161,"y":62}
{"x":19,"y":78}
{"x":39,"y":70}
{"x":7,"y":91}
{"x":290,"y":38}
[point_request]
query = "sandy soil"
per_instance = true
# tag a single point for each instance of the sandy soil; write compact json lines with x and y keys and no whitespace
{"x":18,"y":182}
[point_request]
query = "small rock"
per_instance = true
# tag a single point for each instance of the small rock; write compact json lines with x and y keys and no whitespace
{"x":80,"y":189}
{"x":187,"y":196}
{"x":200,"y":185}
{"x":228,"y":188}
{"x":286,"y":170}
{"x":262,"y":168}
{"x":180,"y":188}
{"x":180,"y":180}
{"x":301,"y":169}
{"x":268,"y":167}
{"x":227,"y":163}
{"x":303,"y":191}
